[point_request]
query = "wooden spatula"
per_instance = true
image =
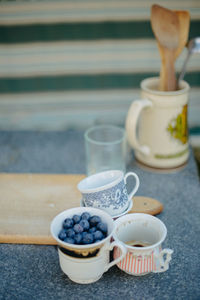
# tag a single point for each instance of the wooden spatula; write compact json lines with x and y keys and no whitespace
{"x":165,"y":25}
{"x":184,"y":25}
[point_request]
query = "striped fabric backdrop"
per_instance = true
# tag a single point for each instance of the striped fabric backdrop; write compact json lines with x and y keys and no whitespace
{"x":74,"y":63}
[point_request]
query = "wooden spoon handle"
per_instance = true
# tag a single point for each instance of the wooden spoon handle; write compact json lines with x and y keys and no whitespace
{"x":162,"y":70}
{"x":167,"y":76}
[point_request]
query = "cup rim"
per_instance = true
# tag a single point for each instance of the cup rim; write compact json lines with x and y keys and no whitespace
{"x":184,"y":87}
{"x":102,"y":187}
{"x":62,"y":216}
{"x":137,"y":216}
{"x":118,"y":141}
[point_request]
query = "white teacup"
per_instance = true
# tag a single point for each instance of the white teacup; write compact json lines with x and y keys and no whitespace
{"x":142,"y":235}
{"x":86,"y":263}
{"x":107,"y":191}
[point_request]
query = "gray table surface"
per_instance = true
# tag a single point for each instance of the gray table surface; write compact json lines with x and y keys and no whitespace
{"x":33,"y":271}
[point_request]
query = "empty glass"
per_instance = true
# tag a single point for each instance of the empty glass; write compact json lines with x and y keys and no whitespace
{"x":106,"y":148}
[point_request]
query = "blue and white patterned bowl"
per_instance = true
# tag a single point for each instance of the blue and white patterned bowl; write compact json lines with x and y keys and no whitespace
{"x":107,"y":191}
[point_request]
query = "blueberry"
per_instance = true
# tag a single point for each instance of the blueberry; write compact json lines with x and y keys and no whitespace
{"x":98,"y":235}
{"x":68,"y":223}
{"x":84,"y":233}
{"x":85,"y":216}
{"x":70,"y":233}
{"x":69,"y":240}
{"x":78,"y":228}
{"x":62,"y":235}
{"x":88,"y":238}
{"x":85,"y":224}
{"x":76,"y":218}
{"x":78,"y":238}
{"x":102,"y":226}
{"x":94,"y":220}
{"x":92,"y":229}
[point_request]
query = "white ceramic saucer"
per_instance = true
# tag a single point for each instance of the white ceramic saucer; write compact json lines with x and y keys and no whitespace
{"x":124,"y":212}
{"x":119,"y":215}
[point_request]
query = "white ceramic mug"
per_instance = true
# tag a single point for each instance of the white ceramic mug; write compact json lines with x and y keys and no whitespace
{"x":162,"y":139}
{"x":107,"y":191}
{"x":86,"y":263}
{"x":142,"y":235}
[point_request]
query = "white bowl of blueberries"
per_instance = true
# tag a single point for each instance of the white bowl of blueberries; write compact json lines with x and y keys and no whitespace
{"x":81,"y":228}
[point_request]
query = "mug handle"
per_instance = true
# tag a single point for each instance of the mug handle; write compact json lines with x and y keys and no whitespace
{"x":118,"y":259}
{"x":131,"y":124}
{"x":134,"y":190}
{"x":163,"y":264}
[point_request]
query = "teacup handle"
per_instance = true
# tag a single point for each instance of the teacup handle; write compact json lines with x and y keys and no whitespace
{"x":134,"y":190}
{"x":163,"y":265}
{"x":117,"y":260}
{"x":131,"y":124}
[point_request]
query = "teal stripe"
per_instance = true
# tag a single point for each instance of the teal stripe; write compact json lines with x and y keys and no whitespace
{"x":81,"y":82}
{"x":74,"y":31}
{"x":81,"y":31}
{"x":194,"y":131}
{"x":194,"y":29}
{"x":193,"y":78}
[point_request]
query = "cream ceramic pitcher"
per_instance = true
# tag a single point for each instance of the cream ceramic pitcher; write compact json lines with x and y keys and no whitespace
{"x":156,"y":125}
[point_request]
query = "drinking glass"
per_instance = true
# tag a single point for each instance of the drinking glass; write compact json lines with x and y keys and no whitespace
{"x":106,"y":149}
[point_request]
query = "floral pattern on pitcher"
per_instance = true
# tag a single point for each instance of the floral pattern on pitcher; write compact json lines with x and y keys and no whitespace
{"x":178,"y":126}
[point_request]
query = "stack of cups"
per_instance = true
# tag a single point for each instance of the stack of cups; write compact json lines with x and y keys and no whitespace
{"x":135,"y":239}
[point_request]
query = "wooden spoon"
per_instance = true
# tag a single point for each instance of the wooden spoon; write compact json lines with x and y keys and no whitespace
{"x":165,"y":25}
{"x":184,"y":25}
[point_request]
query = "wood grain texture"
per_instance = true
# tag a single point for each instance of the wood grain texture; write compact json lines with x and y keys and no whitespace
{"x":29,"y":202}
{"x":165,"y":25}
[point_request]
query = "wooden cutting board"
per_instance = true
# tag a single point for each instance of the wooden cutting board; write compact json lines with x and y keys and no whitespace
{"x":29,"y":202}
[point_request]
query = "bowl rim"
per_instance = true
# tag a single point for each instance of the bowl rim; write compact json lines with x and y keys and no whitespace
{"x":62,"y":215}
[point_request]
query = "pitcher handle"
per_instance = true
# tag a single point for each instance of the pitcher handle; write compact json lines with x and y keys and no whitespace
{"x":131,"y":124}
{"x":117,"y":260}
